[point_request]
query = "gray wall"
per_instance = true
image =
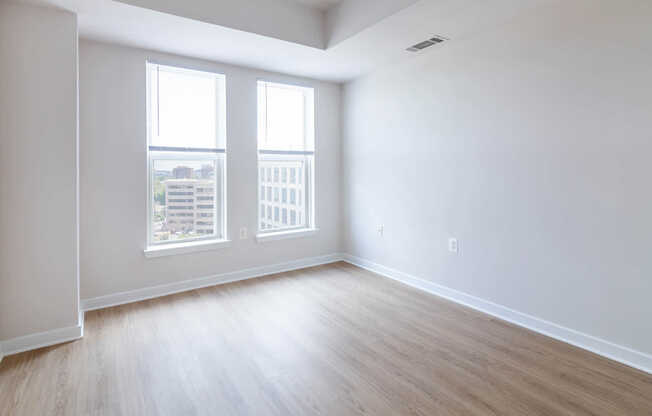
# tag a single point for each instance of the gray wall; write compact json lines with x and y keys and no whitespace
{"x":114,"y":174}
{"x":38,"y":170}
{"x":532,"y":144}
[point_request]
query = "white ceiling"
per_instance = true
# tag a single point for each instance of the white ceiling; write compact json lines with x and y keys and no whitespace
{"x":319,"y":4}
{"x":282,"y":19}
{"x":364,"y":50}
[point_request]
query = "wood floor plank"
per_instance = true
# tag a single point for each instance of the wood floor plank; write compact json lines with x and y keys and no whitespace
{"x":329,"y":340}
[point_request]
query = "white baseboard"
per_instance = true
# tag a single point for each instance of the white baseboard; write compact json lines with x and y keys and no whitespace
{"x":624,"y":355}
{"x":60,"y":335}
{"x":41,"y":339}
{"x":168,"y":289}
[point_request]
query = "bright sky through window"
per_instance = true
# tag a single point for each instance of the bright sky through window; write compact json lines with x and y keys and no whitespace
{"x":185,"y":108}
{"x":285,"y":117}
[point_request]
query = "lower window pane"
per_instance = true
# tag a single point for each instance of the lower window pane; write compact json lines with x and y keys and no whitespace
{"x":283,"y":201}
{"x":186,"y":199}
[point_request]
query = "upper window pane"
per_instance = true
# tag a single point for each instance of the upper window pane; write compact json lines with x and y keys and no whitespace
{"x":285,"y":117}
{"x":184,"y":108}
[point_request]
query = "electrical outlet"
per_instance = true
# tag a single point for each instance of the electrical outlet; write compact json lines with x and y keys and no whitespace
{"x":381,"y":230}
{"x":243,"y":233}
{"x":453,"y":245}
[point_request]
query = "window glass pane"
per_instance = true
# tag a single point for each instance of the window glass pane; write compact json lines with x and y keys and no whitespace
{"x":285,"y":117}
{"x":183,"y":108}
{"x":184,"y":199}
{"x":278,"y":197}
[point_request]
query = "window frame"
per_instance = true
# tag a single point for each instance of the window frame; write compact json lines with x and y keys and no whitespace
{"x":307,"y":156}
{"x":217,"y":155}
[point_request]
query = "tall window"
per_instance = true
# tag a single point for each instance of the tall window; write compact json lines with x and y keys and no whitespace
{"x":286,"y":140}
{"x":186,"y":130}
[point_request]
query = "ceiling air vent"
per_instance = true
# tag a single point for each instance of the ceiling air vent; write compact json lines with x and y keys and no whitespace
{"x":426,"y":44}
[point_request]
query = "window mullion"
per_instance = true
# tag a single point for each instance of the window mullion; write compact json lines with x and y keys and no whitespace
{"x":186,"y":149}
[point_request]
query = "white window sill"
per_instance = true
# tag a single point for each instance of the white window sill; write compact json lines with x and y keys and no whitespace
{"x":185,"y":248}
{"x":282,"y":235}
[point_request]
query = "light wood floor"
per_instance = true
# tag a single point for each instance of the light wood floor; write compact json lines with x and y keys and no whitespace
{"x":331,"y":340}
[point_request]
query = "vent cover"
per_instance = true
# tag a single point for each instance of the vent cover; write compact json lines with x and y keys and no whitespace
{"x":426,"y":44}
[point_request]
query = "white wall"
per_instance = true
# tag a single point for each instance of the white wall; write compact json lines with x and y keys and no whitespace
{"x":532,"y":145}
{"x":38,"y":170}
{"x":114,"y":177}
